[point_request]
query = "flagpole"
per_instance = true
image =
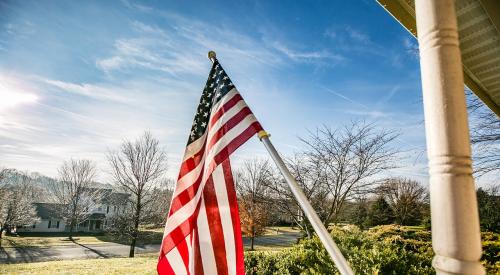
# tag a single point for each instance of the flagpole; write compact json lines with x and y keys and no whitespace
{"x":324,"y":236}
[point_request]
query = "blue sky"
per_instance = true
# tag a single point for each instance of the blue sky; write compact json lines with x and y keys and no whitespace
{"x":76,"y":78}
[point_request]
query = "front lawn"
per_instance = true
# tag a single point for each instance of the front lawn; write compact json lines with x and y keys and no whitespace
{"x":142,"y":264}
{"x":146,"y":236}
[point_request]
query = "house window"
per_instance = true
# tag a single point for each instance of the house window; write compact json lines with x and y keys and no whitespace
{"x":114,"y":208}
{"x":107,"y":209}
{"x":34,"y":225}
{"x":53,"y":224}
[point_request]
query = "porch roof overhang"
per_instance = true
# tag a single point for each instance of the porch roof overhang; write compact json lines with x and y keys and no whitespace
{"x":479,"y":36}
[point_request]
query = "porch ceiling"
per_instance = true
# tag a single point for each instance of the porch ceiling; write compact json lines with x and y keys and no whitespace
{"x":479,"y":35}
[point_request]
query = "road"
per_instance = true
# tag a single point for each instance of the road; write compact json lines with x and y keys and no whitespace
{"x":107,"y":250}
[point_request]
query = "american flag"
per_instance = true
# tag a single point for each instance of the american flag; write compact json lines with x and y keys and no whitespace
{"x":202,"y":234}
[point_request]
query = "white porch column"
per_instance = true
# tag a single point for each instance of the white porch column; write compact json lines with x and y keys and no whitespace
{"x":455,"y":223}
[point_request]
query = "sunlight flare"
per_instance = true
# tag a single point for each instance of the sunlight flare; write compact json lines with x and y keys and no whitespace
{"x":14,"y":93}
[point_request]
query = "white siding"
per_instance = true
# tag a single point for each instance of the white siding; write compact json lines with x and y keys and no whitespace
{"x":43,"y":226}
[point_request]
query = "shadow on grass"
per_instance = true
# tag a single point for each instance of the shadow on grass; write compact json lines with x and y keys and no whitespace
{"x":145,"y":237}
{"x":19,"y":254}
{"x":60,"y":234}
{"x":97,"y":252}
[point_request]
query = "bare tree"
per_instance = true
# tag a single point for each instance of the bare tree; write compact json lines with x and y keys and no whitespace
{"x":252,"y":182}
{"x":74,"y":193}
{"x":3,"y":174}
{"x":337,"y":165}
{"x":307,"y":175}
{"x":406,"y":198}
{"x":137,"y":168}
{"x":16,"y":204}
{"x":485,"y":136}
{"x":121,"y":222}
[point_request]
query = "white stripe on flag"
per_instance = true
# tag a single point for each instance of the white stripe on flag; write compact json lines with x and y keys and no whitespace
{"x":189,"y":179}
{"x":228,"y":137}
{"x":179,"y":216}
{"x":207,"y":255}
{"x":226,"y":117}
{"x":194,"y":147}
{"x":175,"y":260}
{"x":225,"y":215}
{"x":224,"y":99}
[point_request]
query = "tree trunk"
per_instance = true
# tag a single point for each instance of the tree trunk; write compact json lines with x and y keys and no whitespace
{"x":134,"y":238}
{"x":136,"y":227}
{"x":132,"y":245}
{"x":1,"y":233}
{"x":71,"y":231}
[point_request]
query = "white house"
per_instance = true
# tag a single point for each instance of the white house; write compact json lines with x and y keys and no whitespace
{"x":99,"y":217}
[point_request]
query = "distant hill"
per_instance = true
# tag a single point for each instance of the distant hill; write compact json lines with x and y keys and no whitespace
{"x":40,"y":182}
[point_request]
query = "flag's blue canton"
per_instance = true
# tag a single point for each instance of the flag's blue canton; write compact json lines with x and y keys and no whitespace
{"x":218,"y":84}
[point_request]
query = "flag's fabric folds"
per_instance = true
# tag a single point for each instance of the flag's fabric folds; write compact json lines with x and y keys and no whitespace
{"x":202,"y":234}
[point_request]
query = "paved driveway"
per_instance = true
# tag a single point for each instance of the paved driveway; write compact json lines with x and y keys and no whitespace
{"x":107,"y":250}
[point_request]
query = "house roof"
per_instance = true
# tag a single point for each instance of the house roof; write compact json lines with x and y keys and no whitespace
{"x":115,"y":198}
{"x":97,"y":216}
{"x":47,"y":210}
{"x":479,"y":35}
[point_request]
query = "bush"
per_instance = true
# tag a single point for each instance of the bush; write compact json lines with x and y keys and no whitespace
{"x":376,"y":251}
{"x":491,"y":252}
{"x":387,"y":249}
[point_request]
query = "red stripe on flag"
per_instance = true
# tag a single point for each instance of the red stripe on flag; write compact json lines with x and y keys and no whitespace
{"x":163,"y":267}
{"x":184,"y":252}
{"x":235,"y":217}
{"x":191,"y":163}
{"x":198,"y":264}
{"x":215,"y":225}
{"x":185,"y":196}
{"x":254,"y":128}
{"x":230,"y":124}
{"x":228,"y":105}
{"x":180,"y":232}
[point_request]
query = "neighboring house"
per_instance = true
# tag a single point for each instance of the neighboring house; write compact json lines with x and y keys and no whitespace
{"x":112,"y":203}
{"x":49,"y":220}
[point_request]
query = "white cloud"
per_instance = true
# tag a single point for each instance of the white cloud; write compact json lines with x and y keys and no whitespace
{"x":181,"y":52}
{"x":141,"y":27}
{"x":306,"y":56}
{"x":371,"y":114}
{"x":345,"y":97}
{"x":358,"y":35}
{"x":411,"y":47}
{"x":88,"y":90}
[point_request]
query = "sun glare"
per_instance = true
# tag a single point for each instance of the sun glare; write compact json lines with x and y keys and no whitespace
{"x":13,"y":93}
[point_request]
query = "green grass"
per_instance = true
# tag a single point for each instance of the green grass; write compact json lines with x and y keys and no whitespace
{"x":146,"y":236}
{"x":143,"y":264}
{"x":274,"y":230}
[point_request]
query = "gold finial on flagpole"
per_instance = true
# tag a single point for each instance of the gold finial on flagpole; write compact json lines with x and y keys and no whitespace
{"x":211,"y":56}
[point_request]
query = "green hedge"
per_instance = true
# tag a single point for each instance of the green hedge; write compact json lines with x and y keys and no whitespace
{"x":385,"y":249}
